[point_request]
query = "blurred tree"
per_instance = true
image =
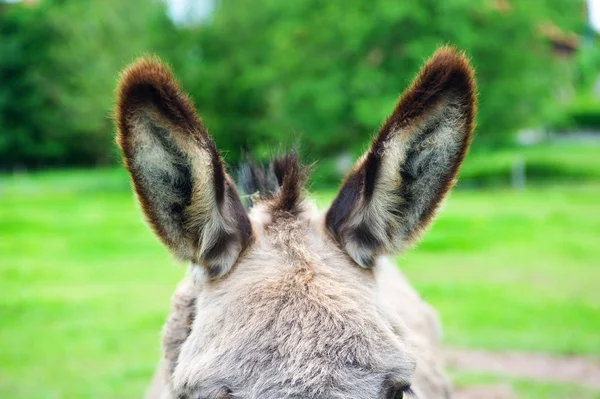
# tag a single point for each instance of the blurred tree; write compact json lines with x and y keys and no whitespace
{"x":59,"y":64}
{"x":23,"y":109}
{"x":330,"y":72}
{"x":264,"y":72}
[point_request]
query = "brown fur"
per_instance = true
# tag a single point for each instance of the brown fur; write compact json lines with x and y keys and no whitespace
{"x":281,"y":185}
{"x":291,"y":177}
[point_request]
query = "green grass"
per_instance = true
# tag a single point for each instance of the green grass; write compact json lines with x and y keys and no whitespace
{"x":84,"y":286}
{"x":515,"y":270}
{"x":84,"y":289}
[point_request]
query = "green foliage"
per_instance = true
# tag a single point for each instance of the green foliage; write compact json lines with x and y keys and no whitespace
{"x":588,"y":63}
{"x":583,"y":113}
{"x":24,"y":109}
{"x":328,"y":73}
{"x":266,"y":73}
{"x":58,"y":70}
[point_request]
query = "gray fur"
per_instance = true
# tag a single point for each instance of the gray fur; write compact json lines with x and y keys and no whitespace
{"x":164,"y":172}
{"x":294,"y":316}
{"x":298,"y":320}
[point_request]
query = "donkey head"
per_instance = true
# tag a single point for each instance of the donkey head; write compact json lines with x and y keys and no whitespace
{"x":283,"y":301}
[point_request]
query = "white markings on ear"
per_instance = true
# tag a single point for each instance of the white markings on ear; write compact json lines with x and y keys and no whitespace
{"x":392,"y":193}
{"x":178,"y":174}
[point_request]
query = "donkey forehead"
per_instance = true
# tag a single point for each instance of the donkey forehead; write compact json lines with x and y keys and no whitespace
{"x":298,"y":342}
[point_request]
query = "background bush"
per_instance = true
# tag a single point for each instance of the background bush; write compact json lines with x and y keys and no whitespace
{"x":58,"y":67}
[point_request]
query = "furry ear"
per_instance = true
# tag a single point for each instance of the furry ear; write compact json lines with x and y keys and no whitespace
{"x":177,"y":173}
{"x":392,"y":193}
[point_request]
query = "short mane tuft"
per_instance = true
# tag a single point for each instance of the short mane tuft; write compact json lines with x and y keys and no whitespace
{"x":280,"y":183}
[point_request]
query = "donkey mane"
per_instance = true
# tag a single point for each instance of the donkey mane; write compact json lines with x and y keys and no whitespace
{"x":280,"y":184}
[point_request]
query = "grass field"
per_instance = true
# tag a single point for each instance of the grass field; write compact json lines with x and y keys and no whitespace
{"x":84,"y":286}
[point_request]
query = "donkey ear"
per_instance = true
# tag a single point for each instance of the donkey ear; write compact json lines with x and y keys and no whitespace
{"x":392,"y":193}
{"x":178,"y":175}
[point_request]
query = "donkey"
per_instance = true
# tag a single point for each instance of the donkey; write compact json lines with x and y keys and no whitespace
{"x":282,"y":301}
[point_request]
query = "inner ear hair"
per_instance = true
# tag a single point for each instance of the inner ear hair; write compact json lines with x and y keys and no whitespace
{"x":178,"y":175}
{"x":393,"y":192}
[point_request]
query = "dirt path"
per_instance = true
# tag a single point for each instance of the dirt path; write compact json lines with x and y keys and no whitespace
{"x":498,"y":391}
{"x":584,"y":371}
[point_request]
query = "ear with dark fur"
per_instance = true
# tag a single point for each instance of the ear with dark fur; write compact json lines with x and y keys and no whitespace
{"x":178,"y":175}
{"x":392,"y":193}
